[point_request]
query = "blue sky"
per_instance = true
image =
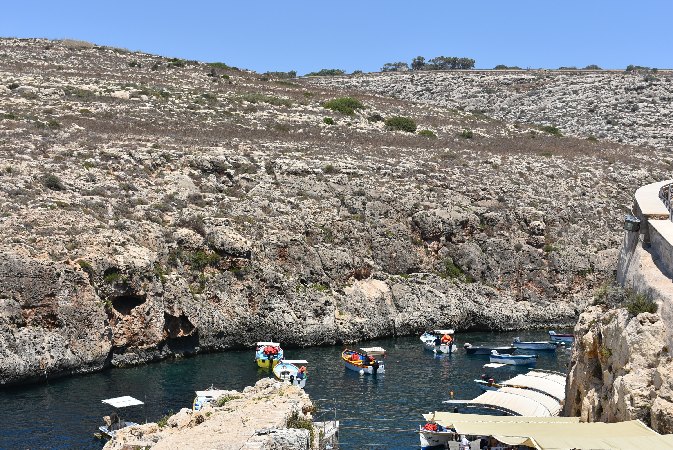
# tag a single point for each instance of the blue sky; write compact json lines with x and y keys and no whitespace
{"x":310,"y":35}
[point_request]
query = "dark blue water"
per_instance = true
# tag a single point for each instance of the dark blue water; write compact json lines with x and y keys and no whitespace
{"x":375,"y":412}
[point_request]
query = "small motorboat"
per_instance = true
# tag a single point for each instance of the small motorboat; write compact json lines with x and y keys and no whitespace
{"x":488,"y":385}
{"x":366,"y":360}
{"x":440,"y":341}
{"x":113,"y":422}
{"x":513,"y":360}
{"x":534,"y":345}
{"x":558,"y":337}
{"x":288,"y":371}
{"x":268,"y":354}
{"x":207,"y":396}
{"x":434,"y":436}
{"x":486,"y":350}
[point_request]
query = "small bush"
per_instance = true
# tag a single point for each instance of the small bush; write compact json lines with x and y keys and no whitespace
{"x":344,"y":105}
{"x":201,"y":259}
{"x":53,"y":182}
{"x":135,"y":63}
{"x":427,"y":133}
{"x":401,"y":123}
{"x":295,"y":421}
{"x":164,"y":420}
{"x":466,"y":134}
{"x":221,"y":401}
{"x":376,"y":117}
{"x":329,"y":169}
{"x":640,"y":303}
{"x":326,"y":73}
{"x":551,"y":130}
{"x":328,"y":121}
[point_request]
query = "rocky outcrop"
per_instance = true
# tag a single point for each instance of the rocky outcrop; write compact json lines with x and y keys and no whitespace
{"x":152,"y":207}
{"x":256,"y":418}
{"x":621,"y":368}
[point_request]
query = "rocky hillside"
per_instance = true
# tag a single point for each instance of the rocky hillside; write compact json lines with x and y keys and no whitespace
{"x":152,"y":206}
{"x":634,"y":108}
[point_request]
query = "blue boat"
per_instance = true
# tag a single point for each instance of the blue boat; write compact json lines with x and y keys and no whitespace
{"x":513,"y":360}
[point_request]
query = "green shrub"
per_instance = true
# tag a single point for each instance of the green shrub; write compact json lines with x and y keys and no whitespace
{"x":328,"y":121}
{"x":551,"y":130}
{"x":221,"y":401}
{"x":164,"y":420}
{"x":640,"y":303}
{"x":326,"y":73}
{"x":466,"y":134}
{"x":401,"y":123}
{"x":295,"y":421}
{"x":344,"y":105}
{"x":329,"y":168}
{"x":428,"y":134}
{"x":53,"y":182}
{"x":201,"y":259}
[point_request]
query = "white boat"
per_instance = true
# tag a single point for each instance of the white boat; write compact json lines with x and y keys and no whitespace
{"x":432,"y":341}
{"x":366,"y":360}
{"x":513,"y":360}
{"x":431,"y":440}
{"x":534,"y":345}
{"x":113,"y":422}
{"x":287,"y":371}
{"x":558,"y":337}
{"x":207,"y":396}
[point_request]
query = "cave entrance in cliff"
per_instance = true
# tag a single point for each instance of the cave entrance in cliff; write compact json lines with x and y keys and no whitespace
{"x":123,"y":304}
{"x":180,"y":334}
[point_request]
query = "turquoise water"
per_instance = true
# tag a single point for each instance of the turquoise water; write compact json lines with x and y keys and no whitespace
{"x":378,"y":412}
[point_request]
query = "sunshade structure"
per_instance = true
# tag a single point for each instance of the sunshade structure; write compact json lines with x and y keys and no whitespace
{"x":122,"y":402}
{"x":552,"y":384}
{"x":519,"y":402}
{"x":555,"y":433}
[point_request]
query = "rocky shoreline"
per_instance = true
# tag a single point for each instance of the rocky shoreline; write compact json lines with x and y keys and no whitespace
{"x":154,"y":207}
{"x":269,"y":416}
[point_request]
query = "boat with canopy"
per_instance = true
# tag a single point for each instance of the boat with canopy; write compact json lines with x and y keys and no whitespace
{"x":268,"y":354}
{"x":292,"y":371}
{"x":113,"y":422}
{"x":440,"y":341}
{"x":365,"y":360}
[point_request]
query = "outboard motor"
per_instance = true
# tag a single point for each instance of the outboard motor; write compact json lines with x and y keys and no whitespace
{"x":291,"y":379}
{"x":375,"y":366}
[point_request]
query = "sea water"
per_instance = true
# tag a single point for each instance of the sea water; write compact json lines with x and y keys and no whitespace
{"x":375,"y":412}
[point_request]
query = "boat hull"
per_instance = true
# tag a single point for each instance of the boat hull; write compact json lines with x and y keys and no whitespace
{"x":488,"y":350}
{"x":288,"y":373}
{"x":435,"y":440}
{"x":564,"y":338}
{"x":357,"y":366}
{"x":537,"y":346}
{"x":266,"y":363}
{"x":109,"y":434}
{"x":514,"y":360}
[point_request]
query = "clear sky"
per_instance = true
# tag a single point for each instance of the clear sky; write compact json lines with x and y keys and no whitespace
{"x":362,"y":34}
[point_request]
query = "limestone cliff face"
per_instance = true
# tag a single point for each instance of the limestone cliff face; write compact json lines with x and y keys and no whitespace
{"x":152,"y":207}
{"x":621,"y":369}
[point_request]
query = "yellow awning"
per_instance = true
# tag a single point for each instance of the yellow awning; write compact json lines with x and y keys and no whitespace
{"x":555,"y":433}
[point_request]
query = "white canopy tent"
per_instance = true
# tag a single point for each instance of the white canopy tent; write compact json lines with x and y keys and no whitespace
{"x":122,"y":402}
